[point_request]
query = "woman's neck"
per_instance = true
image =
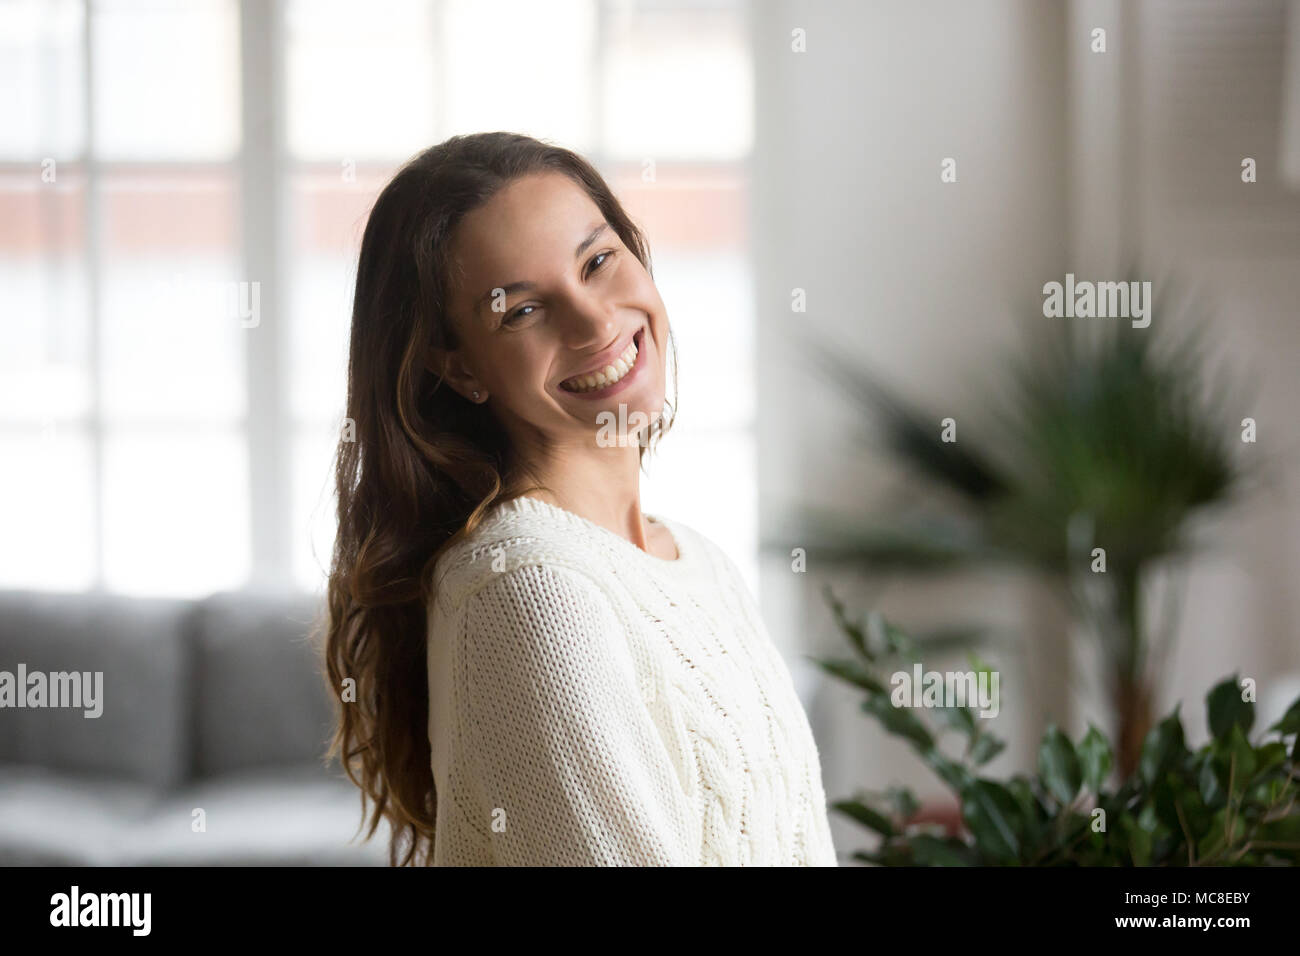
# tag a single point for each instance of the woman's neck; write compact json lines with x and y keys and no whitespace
{"x":604,"y":488}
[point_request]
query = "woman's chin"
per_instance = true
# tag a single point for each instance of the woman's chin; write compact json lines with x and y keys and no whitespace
{"x":627,"y":417}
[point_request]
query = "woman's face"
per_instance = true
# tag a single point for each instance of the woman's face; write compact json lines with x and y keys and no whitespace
{"x":558,"y":320}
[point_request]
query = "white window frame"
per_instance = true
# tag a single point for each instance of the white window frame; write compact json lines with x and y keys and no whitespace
{"x":261,"y":170}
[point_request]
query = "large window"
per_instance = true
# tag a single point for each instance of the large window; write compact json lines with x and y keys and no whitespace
{"x":182,"y":193}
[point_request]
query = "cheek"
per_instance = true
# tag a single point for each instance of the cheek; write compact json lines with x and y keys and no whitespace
{"x":522,"y":371}
{"x":659,"y":326}
{"x":646,"y":294}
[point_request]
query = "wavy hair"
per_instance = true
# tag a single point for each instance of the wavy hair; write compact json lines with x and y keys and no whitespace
{"x":420,"y":469}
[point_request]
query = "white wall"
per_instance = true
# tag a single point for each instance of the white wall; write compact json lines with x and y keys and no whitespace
{"x":915,"y":277}
{"x":1067,"y":160}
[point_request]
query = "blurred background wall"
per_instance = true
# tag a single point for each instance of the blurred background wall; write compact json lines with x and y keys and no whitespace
{"x":1067,"y":160}
{"x":183,"y":189}
{"x":913,"y":276}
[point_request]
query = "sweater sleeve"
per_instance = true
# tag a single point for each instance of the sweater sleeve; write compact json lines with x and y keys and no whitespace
{"x":567,"y":766}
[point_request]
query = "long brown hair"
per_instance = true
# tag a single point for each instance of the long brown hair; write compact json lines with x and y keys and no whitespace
{"x":417,"y":467}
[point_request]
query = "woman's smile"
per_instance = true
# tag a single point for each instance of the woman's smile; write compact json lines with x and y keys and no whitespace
{"x":612,"y":372}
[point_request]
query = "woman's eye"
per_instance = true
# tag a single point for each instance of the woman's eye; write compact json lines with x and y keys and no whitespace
{"x":602,"y":256}
{"x":522,"y":312}
{"x":517,"y":314}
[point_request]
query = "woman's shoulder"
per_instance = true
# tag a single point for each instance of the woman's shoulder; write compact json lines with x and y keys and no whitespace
{"x":699,"y":544}
{"x":512,"y":536}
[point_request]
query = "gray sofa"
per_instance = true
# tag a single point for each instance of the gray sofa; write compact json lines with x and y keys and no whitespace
{"x":214,"y":705}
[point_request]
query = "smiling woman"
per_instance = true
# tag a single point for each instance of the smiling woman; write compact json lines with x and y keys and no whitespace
{"x":544,"y":675}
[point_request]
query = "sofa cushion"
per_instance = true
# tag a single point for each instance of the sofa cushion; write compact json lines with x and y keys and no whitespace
{"x":280,"y":816}
{"x":57,"y":818}
{"x":139,"y":646}
{"x":260,"y":698}
{"x":286,"y":816}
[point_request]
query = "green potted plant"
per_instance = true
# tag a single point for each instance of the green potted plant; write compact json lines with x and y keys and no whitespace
{"x":1104,"y":436}
{"x":1230,"y":802}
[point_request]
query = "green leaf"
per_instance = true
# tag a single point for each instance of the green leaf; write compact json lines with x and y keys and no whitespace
{"x":1290,"y":722}
{"x":1212,"y":843}
{"x":1058,"y":765}
{"x":899,"y":721}
{"x":992,"y":815}
{"x":954,"y":774}
{"x":910,"y":430}
{"x":1139,"y":840}
{"x":865,"y":815}
{"x":1212,"y":788}
{"x":985,"y":749}
{"x":890,"y":853}
{"x":851,"y":672}
{"x":854,"y":632}
{"x":1163,"y":749}
{"x":1283,"y":830}
{"x":930,"y":850}
{"x":958,"y":718}
{"x":1270,"y":755}
{"x":902,"y":802}
{"x":1032,"y":812}
{"x":1170,"y":796}
{"x":1095,"y":758}
{"x":1226,"y":708}
{"x":890,"y":638}
{"x":1243,"y":755}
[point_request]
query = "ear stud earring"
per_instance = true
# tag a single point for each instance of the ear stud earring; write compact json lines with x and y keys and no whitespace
{"x":476,"y":396}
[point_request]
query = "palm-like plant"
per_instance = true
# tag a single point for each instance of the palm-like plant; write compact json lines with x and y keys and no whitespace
{"x":1106,"y":437}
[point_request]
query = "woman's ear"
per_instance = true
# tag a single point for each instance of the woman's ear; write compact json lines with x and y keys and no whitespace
{"x":449,"y":365}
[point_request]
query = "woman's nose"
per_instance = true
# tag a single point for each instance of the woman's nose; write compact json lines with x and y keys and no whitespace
{"x":589,"y":322}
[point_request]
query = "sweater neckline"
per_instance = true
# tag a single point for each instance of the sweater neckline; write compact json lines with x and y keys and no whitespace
{"x":526,"y":504}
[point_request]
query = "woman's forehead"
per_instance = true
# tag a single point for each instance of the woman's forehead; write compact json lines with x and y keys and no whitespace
{"x":538,"y":206}
{"x":521,"y":234}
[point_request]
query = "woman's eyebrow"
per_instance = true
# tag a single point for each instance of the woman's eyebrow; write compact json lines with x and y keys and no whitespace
{"x":592,"y":237}
{"x":526,"y":286}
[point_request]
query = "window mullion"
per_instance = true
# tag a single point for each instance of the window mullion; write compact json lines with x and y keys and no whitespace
{"x":262,"y":218}
{"x":94,"y":295}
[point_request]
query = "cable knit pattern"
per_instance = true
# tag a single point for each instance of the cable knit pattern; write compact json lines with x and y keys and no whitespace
{"x":592,"y":704}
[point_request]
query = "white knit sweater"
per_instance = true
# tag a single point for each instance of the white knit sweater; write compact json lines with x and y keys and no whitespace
{"x":592,"y":704}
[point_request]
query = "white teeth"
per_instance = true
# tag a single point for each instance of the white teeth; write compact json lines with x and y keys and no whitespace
{"x":606,"y":376}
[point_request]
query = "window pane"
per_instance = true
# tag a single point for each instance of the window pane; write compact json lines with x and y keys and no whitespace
{"x":46,"y":509}
{"x":696,"y":223}
{"x":685,"y":204}
{"x":521,"y":66}
{"x":360,"y":79}
{"x":175,"y":309}
{"x":313,"y":525}
{"x":700,"y":104}
{"x":710,"y":308}
{"x":328,"y":218}
{"x":44,"y":333}
{"x":175,"y":511}
{"x":707,"y":480}
{"x":42,"y":113}
{"x":166,"y":83}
